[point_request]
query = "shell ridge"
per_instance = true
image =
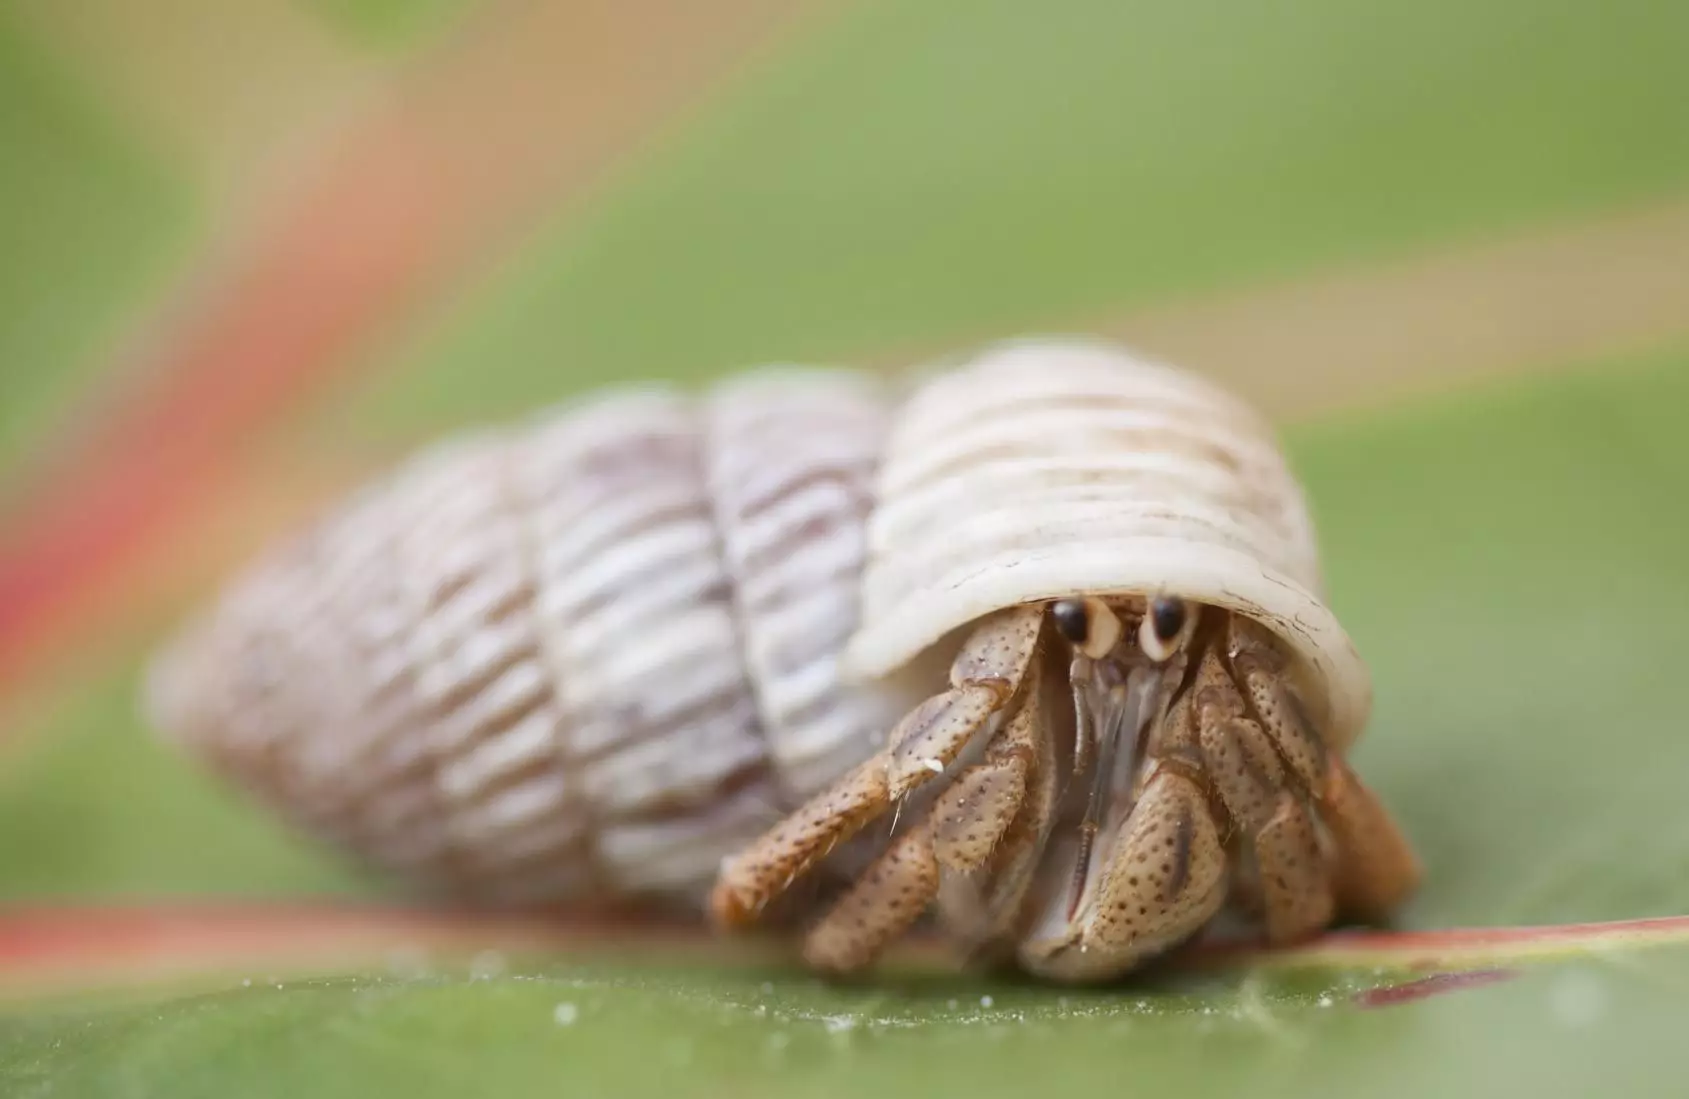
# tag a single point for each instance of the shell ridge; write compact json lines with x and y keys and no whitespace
{"x":662,"y":725}
{"x":594,"y":876}
{"x":483,"y":677}
{"x":984,"y":516}
{"x":789,"y":473}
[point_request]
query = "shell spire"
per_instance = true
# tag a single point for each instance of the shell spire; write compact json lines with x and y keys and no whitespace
{"x":578,"y":658}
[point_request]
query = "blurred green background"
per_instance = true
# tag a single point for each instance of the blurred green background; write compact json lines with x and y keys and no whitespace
{"x":604,"y":192}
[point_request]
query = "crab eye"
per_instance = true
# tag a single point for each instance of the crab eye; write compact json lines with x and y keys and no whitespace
{"x":1088,"y":625}
{"x":1071,"y":621}
{"x":1163,"y":627}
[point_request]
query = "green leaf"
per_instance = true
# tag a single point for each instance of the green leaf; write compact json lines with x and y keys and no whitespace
{"x":670,"y":1021}
{"x":1511,"y":565}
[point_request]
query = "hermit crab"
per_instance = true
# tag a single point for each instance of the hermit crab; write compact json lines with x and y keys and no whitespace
{"x":1034,"y":646}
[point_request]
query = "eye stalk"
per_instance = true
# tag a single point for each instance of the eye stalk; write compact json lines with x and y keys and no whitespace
{"x":1165,"y":627}
{"x":1088,"y":625}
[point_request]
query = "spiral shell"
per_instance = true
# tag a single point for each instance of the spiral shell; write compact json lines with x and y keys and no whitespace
{"x":586,"y":657}
{"x":581,"y":658}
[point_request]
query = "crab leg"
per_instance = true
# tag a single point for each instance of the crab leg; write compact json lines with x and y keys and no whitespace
{"x":1017,"y":786}
{"x":1169,"y":876}
{"x":1376,"y":866}
{"x":1157,"y":885}
{"x":984,"y":820}
{"x":881,"y":905}
{"x":984,"y":679}
{"x":1239,"y":760}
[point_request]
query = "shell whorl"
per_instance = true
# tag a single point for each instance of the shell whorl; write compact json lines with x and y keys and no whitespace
{"x":584,"y":657}
{"x":1047,"y":467}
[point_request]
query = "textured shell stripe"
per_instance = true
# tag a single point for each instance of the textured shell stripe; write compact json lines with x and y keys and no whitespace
{"x":580,"y":659}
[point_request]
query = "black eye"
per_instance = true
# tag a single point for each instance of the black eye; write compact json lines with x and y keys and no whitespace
{"x":1072,"y":621}
{"x":1168,"y":616}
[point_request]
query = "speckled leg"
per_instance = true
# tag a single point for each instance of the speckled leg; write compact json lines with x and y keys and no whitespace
{"x":1377,"y":868}
{"x":985,"y":820}
{"x":1163,"y":882}
{"x":881,"y":905}
{"x":1241,"y":763}
{"x":985,"y":677}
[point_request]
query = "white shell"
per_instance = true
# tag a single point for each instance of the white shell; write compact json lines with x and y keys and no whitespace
{"x":1044,"y":468}
{"x":584,"y":658}
{"x":581,"y":659}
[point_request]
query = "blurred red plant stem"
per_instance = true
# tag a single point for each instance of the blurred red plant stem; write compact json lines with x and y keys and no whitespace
{"x":33,"y":936}
{"x":63,"y":945}
{"x":263,"y":339}
{"x":1425,"y":987}
{"x":534,"y":102}
{"x":1460,"y":948}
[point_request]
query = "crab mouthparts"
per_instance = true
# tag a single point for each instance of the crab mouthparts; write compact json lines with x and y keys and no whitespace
{"x":1124,"y":713}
